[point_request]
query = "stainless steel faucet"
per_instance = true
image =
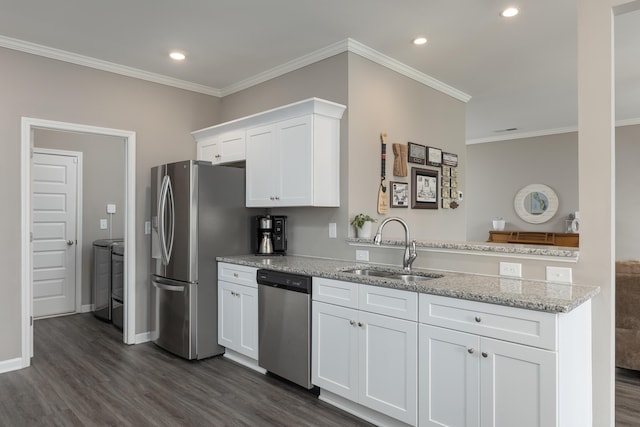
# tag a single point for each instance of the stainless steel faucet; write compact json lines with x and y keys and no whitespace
{"x":410,"y":253}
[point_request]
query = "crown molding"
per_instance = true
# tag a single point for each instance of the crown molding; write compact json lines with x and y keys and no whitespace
{"x":353,"y":46}
{"x":546,"y":132}
{"x":346,"y":45}
{"x":287,"y":67}
{"x":401,"y":68}
{"x":98,"y":64}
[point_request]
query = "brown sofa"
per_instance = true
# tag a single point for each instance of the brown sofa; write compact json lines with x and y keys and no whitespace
{"x":628,"y":314}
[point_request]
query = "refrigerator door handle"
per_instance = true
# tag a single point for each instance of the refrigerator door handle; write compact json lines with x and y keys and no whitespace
{"x":162,"y":206}
{"x":166,"y":287}
{"x":172,"y":218}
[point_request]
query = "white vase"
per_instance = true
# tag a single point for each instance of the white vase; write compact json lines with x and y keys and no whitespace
{"x":498,"y":224}
{"x":364,"y":232}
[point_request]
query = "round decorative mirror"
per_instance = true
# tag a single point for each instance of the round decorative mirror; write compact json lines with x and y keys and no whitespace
{"x":536,"y":203}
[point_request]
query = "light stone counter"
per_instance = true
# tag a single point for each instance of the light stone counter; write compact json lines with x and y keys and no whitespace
{"x":486,"y":247}
{"x":528,"y":294}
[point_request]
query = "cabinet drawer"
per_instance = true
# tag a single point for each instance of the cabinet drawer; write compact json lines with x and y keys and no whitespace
{"x":335,"y":292}
{"x":517,"y":325}
{"x":239,"y":274}
{"x":389,"y":302}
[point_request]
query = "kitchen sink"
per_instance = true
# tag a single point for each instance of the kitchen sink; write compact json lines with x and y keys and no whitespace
{"x":395,"y":275}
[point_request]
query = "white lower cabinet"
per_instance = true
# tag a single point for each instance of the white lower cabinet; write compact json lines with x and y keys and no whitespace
{"x":467,"y":380}
{"x":238,"y":314}
{"x":367,"y":358}
{"x":471,"y":377}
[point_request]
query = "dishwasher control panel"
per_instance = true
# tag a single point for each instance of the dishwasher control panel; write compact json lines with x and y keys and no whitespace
{"x":279,"y":279}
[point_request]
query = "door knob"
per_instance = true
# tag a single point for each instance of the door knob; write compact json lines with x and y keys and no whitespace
{"x":69,"y":242}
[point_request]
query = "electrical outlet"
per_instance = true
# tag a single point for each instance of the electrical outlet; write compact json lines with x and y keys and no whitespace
{"x":103,"y":224}
{"x":362,"y":255}
{"x":511,"y":269}
{"x":559,"y":274}
{"x":333,"y":232}
{"x":111,"y":208}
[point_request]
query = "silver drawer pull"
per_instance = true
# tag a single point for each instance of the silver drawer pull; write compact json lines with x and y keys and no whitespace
{"x":235,"y":275}
{"x":485,"y":354}
{"x":470,"y":350}
{"x":478,"y":319}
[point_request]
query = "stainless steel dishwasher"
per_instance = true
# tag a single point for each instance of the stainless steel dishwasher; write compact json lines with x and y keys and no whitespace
{"x":284,"y":325}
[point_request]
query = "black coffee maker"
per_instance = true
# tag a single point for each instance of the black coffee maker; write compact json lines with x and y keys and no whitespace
{"x":269,"y":235}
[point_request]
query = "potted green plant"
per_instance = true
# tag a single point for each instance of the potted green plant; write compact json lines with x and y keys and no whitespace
{"x":362,"y":223}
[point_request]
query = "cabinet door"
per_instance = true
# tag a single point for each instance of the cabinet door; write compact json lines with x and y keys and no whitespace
{"x":209,"y":150}
{"x":232,"y":146}
{"x":388,"y":370}
{"x":518,"y":385}
{"x":335,"y":349}
{"x":262,"y":165}
{"x":247,"y":321}
{"x":294,"y":183}
{"x":227,"y":315}
{"x":449,"y":377}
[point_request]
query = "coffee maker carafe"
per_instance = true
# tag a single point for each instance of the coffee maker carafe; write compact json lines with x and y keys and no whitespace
{"x":269,"y":235}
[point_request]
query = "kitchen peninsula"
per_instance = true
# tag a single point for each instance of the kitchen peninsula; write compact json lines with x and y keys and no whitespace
{"x":453,"y":349}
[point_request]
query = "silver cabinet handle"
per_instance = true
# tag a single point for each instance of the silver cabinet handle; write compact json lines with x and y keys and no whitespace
{"x":277,"y":197}
{"x":478,"y":319}
{"x":235,"y":275}
{"x":360,"y":324}
{"x":470,"y":350}
{"x":485,"y":354}
{"x":352,"y":322}
{"x":69,"y":242}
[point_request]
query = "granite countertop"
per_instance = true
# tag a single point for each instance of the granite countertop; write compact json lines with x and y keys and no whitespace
{"x":528,"y":294}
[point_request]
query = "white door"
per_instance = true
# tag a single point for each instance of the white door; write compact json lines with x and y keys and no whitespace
{"x":248,"y":321}
{"x":54,"y":210}
{"x":388,"y":370}
{"x":227,"y":315}
{"x":296,"y":168}
{"x":449,"y":378}
{"x":518,"y":385}
{"x":262,"y":167}
{"x":335,"y":349}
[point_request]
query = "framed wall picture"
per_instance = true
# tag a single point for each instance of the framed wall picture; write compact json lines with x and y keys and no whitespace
{"x":417,"y":153}
{"x":434,"y":156}
{"x":425,"y":189}
{"x":399,"y":194}
{"x":450,"y":159}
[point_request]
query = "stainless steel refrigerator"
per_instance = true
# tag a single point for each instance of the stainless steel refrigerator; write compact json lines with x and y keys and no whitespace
{"x":197,"y":213}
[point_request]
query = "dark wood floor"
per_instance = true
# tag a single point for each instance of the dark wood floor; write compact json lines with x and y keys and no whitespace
{"x":82,"y":375}
{"x":627,"y":398}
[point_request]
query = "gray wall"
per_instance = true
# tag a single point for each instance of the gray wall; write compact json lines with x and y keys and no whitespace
{"x":377,"y":100}
{"x":498,"y":170}
{"x":161,"y":116}
{"x":103,"y":181}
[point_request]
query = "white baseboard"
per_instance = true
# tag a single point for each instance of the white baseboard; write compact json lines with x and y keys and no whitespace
{"x":142,"y":338}
{"x":244,"y":360}
{"x":86,"y":308}
{"x":360,"y":411}
{"x":10,"y":365}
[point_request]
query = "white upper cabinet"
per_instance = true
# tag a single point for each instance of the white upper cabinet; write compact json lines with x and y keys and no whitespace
{"x":292,"y":153}
{"x":225,"y":148}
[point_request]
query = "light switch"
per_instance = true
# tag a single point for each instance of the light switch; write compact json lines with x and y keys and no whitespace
{"x":333,"y":232}
{"x":147,"y":227}
{"x":103,"y":224}
{"x":559,"y":274}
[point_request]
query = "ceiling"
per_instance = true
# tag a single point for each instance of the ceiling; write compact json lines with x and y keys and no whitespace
{"x":520,"y":72}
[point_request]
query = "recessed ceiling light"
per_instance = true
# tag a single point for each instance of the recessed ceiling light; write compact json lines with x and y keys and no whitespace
{"x":509,"y":12}
{"x":419,"y":40}
{"x":178,"y":56}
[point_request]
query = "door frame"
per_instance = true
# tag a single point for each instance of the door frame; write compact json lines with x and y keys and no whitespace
{"x":79,"y":185}
{"x":28,"y":125}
